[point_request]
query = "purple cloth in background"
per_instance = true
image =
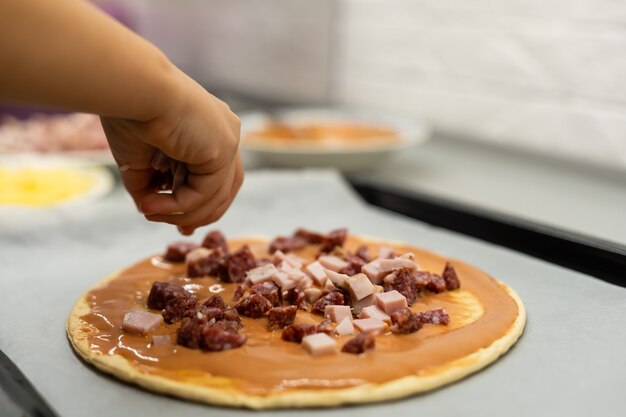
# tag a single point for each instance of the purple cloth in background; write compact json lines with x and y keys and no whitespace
{"x":113,"y":8}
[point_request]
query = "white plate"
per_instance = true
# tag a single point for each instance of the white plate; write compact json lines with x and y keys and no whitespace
{"x":410,"y":133}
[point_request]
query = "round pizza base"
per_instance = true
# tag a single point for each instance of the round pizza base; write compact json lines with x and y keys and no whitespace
{"x":119,"y":367}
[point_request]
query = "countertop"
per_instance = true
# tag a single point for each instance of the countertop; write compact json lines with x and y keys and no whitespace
{"x":569,"y":361}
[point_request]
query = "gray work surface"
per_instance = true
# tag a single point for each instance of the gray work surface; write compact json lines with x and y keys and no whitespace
{"x":570,"y":361}
{"x":573,"y":197}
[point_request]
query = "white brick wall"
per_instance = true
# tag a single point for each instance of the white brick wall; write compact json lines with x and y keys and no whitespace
{"x":546,"y":75}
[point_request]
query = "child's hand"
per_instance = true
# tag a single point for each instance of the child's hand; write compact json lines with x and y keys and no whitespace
{"x":194,"y":128}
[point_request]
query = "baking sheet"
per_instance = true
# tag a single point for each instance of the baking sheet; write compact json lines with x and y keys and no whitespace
{"x":570,"y":360}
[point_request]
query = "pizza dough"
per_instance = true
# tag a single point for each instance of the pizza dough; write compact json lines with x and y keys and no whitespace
{"x":270,"y":373}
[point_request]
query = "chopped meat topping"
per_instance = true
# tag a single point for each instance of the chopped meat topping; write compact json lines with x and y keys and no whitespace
{"x":212,"y":264}
{"x":237,"y":264}
{"x":404,"y":321}
{"x":228,"y":325}
{"x":332,"y":298}
{"x":177,"y":306}
{"x":254,"y":306}
{"x":287,"y":244}
{"x":239,"y":292}
{"x":161,"y":292}
{"x":325,"y":326}
{"x":435,"y":316}
{"x":402,"y":281}
{"x":279,"y":317}
{"x":296,"y":332}
{"x":189,"y":333}
{"x":215,"y":239}
{"x":436,"y":283}
{"x":216,"y":301}
{"x":309,"y":236}
{"x":177,"y":251}
{"x":363,"y":253}
{"x":355,"y":263}
{"x":141,"y":322}
{"x":296,"y":297}
{"x":450,"y":277}
{"x":360,"y":343}
{"x":268,"y":290}
{"x":216,"y":339}
{"x":334,"y":238}
{"x":421,"y":280}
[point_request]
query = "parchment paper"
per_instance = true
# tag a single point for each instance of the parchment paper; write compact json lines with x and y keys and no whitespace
{"x":571,"y":359}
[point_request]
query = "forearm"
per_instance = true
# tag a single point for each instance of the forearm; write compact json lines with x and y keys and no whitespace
{"x":67,"y":54}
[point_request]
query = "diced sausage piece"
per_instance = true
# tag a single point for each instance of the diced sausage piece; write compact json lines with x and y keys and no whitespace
{"x":422,"y":279}
{"x":326,"y":326}
{"x":435,"y":316}
{"x":369,"y":325}
{"x":388,"y":265}
{"x":161,"y":292}
{"x":189,"y":334}
{"x":237,"y":264}
{"x":206,"y":313}
{"x":360,"y":343}
{"x":373,"y":272}
{"x":319,"y":344}
{"x":390,"y":301}
{"x":403,"y":281}
{"x":332,"y":298}
{"x":161,"y":340}
{"x":309,"y":236}
{"x":332,"y":262}
{"x":333,"y":239}
{"x":228,"y":325}
{"x":177,"y":251}
{"x":287,"y":244}
{"x":436,"y":283}
{"x":141,"y":322}
{"x":363,"y":253}
{"x":316,"y":271}
{"x":404,"y":321}
{"x":279,"y":317}
{"x":239,"y":292}
{"x":355,"y":264}
{"x":296,"y":332}
{"x":215,"y":239}
{"x":295,"y":297}
{"x":268,"y":290}
{"x":254,"y":306}
{"x":311,"y":295}
{"x":359,"y":286}
{"x":337,"y":313}
{"x":345,"y":327}
{"x":284,"y":281}
{"x":231,"y":314}
{"x":375,"y":313}
{"x":450,"y":277}
{"x":176,"y":307}
{"x":261,"y":274}
{"x":336,"y":278}
{"x":216,"y":339}
{"x":385,"y":252}
{"x":203,"y":261}
{"x":216,"y":301}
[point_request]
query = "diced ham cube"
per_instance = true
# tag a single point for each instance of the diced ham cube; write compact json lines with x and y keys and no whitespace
{"x":311,"y":295}
{"x":390,"y":301}
{"x":316,"y":271}
{"x":305,"y":283}
{"x":261,"y":274}
{"x":285,"y":266}
{"x":296,"y":274}
{"x":197,"y":254}
{"x":319,"y":344}
{"x":161,"y":339}
{"x":141,"y":322}
{"x":359,"y":286}
{"x":345,"y":327}
{"x":374,"y":312}
{"x":332,"y":262}
{"x":284,"y":281}
{"x":336,"y":278}
{"x":386,"y":252}
{"x":290,"y":259}
{"x":359,"y":305}
{"x":369,"y":325}
{"x":337,"y":313}
{"x":408,"y":255}
{"x":373,"y":271}
{"x":388,"y":265}
{"x":329,"y":286}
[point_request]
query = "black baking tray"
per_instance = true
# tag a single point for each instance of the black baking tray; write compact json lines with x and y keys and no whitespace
{"x":598,"y":258}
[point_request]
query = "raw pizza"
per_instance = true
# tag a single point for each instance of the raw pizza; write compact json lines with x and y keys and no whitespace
{"x":310,"y":319}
